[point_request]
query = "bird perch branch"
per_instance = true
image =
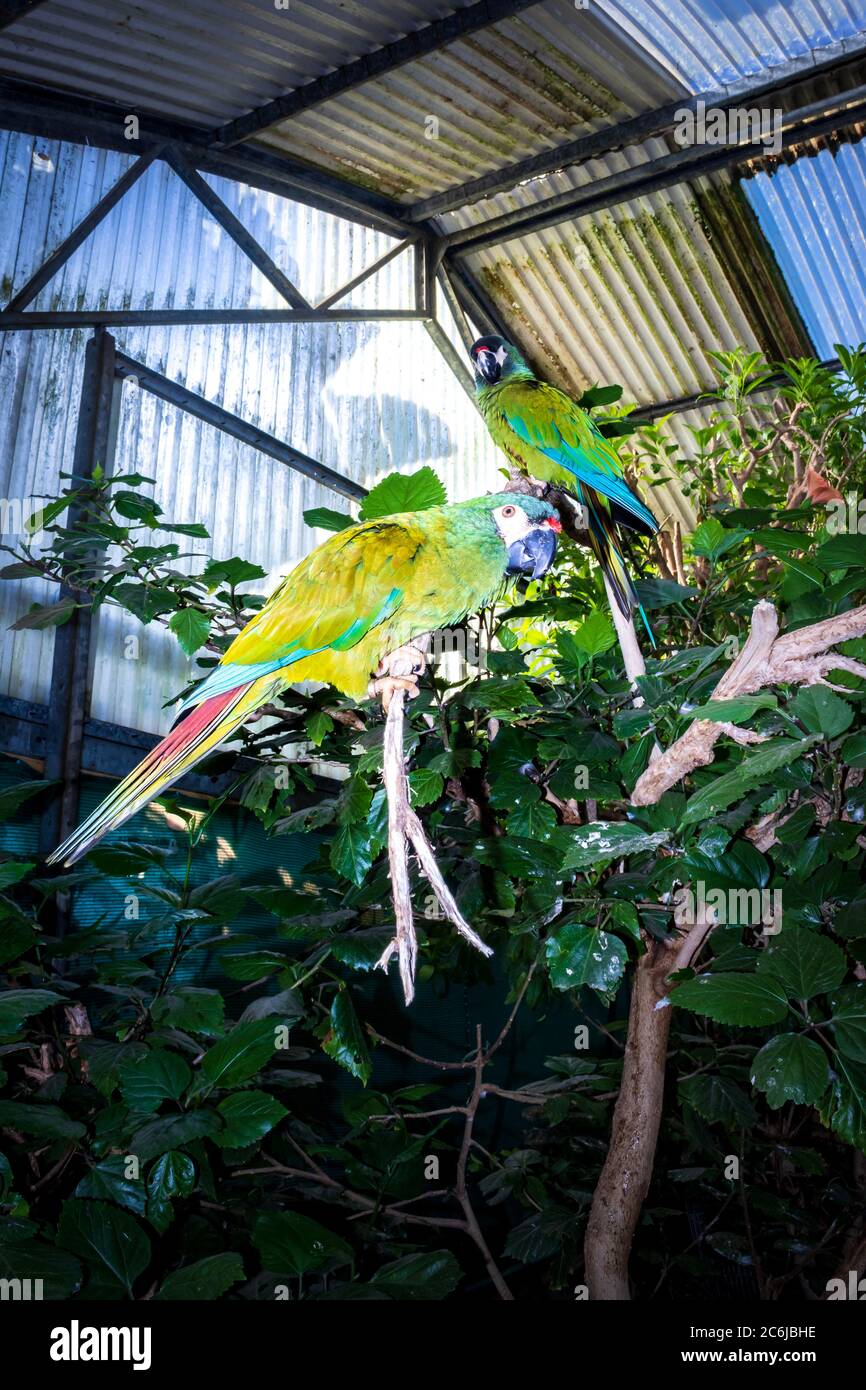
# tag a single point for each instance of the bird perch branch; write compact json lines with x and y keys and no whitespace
{"x":397,"y":678}
{"x":802,"y":657}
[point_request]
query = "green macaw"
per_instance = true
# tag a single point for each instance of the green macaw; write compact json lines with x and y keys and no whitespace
{"x":547,"y":436}
{"x":361,"y":595}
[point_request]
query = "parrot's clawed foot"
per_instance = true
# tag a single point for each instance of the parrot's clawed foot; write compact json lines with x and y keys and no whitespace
{"x":384,"y":687}
{"x":399,"y":670}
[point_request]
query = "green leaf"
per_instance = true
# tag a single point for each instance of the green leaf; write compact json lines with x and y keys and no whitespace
{"x":43,"y":615}
{"x":186,"y":528}
{"x":534,"y":820}
{"x":732,"y":998}
{"x":172,"y":1175}
{"x":43,"y":516}
{"x":803,"y":962}
{"x":345,"y":1042}
{"x":351,"y":855}
{"x":849,"y":1020}
{"x":718,"y":1100}
{"x":13,"y":797}
{"x":360,"y":949}
{"x":248,"y":1117}
{"x":252,"y":965}
{"x":204,"y":1281}
{"x":242,"y":1053}
{"x":18,"y":1004}
{"x":854,"y":750}
{"x":190,"y":1009}
{"x":318,"y":725}
{"x":60,"y":1272}
{"x":580,"y":955}
{"x":791,"y":1067}
{"x":844,"y":1108}
{"x":403,"y":492}
{"x":712,"y":540}
{"x":661,"y":593}
{"x":429,"y":1275}
{"x":106,"y":1237}
{"x":147,"y":1081}
{"x":46,"y":1121}
{"x":231,"y":572}
{"x":821,"y":711}
{"x":291,"y":1244}
{"x":134,"y":507}
{"x":107,"y":1182}
{"x":172,"y":1132}
{"x":842,"y":552}
{"x":425,"y":786}
{"x":735,"y":711}
{"x":327,"y":520}
{"x":12,"y":872}
{"x":717,"y":795}
{"x":600,"y":841}
{"x":596,"y":635}
{"x":191,"y":628}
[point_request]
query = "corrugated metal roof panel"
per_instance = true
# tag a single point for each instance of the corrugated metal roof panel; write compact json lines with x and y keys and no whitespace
{"x":719,"y":43}
{"x":204,"y":60}
{"x":519,"y":87}
{"x":813,"y":213}
{"x":365,"y":398}
{"x":635,"y":293}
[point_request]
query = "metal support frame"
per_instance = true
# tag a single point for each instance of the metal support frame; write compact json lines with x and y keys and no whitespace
{"x":70,"y":672}
{"x":35,"y":110}
{"x":15,"y":315}
{"x":174,"y":393}
{"x":235,"y":228}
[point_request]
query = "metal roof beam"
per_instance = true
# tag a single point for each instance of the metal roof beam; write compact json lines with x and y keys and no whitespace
{"x":169,"y":318}
{"x":841,"y":73}
{"x":635,"y":182}
{"x":381,"y":61}
{"x":79,"y":120}
{"x":212,"y":414}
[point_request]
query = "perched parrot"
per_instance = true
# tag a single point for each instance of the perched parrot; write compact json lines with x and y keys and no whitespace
{"x":362,"y":594}
{"x":547,"y":436}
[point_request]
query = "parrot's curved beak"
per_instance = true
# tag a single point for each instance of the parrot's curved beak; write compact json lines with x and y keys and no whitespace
{"x":533,"y":553}
{"x":488,"y":366}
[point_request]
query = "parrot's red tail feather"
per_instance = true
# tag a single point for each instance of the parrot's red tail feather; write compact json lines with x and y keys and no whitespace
{"x":205,"y":727}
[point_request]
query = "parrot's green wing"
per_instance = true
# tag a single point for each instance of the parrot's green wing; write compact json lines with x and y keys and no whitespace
{"x":332,"y":599}
{"x":549,"y":421}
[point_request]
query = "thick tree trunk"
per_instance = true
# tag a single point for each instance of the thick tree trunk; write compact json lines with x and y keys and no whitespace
{"x":627,"y":1171}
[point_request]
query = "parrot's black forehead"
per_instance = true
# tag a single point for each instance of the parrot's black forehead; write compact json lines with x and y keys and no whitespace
{"x":491,"y":341}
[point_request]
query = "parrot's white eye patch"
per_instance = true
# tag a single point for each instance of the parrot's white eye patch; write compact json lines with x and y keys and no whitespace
{"x":511,"y":522}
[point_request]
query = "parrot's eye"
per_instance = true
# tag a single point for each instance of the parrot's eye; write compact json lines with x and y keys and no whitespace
{"x":509,"y":511}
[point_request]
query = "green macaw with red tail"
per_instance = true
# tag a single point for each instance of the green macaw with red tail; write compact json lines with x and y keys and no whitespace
{"x":362,"y":595}
{"x":545,"y":434}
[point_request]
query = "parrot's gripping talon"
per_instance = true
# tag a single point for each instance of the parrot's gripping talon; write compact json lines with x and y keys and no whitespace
{"x":383,"y":687}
